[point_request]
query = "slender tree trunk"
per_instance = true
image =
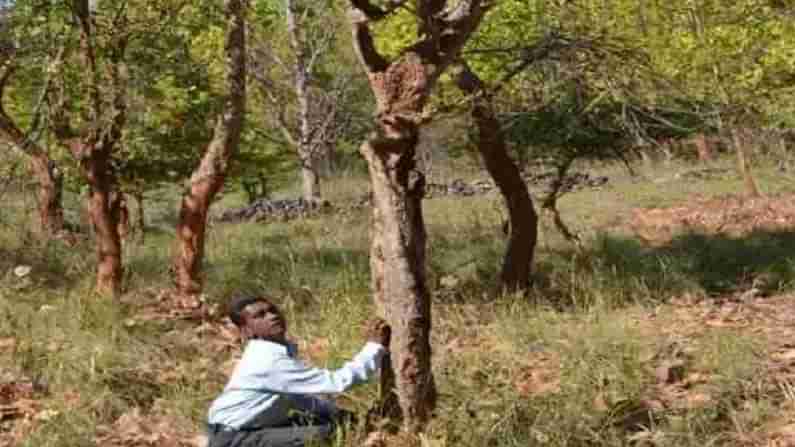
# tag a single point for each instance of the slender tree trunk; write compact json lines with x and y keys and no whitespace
{"x":702,"y":148}
{"x":518,"y":260}
{"x":209,"y":177}
{"x":123,"y":214}
{"x":309,"y":174}
{"x":751,"y":188}
{"x":139,"y":214}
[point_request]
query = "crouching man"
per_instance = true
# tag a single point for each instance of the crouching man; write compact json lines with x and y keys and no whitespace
{"x":269,"y":400}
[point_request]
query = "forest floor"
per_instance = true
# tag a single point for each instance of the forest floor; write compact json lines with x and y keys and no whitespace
{"x":674,"y":325}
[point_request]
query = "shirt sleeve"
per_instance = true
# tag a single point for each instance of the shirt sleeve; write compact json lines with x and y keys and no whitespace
{"x":292,"y":376}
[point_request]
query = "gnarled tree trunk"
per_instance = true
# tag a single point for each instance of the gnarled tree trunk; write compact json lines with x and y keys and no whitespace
{"x":402,"y":88}
{"x":209,"y":177}
{"x":518,"y":260}
{"x":398,"y":271}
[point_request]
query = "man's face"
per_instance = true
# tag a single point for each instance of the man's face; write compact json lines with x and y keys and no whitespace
{"x":263,"y":320}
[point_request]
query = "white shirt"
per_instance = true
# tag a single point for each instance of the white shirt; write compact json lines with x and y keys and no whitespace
{"x":269,"y":383}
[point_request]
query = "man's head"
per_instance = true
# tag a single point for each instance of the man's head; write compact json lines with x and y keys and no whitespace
{"x":258,"y":318}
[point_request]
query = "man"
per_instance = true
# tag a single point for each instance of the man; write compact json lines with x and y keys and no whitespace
{"x":268,"y":401}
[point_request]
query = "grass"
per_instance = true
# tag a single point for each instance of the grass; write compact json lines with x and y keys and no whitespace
{"x":572,"y":365}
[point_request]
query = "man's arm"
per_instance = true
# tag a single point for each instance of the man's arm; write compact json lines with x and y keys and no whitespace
{"x":292,"y":376}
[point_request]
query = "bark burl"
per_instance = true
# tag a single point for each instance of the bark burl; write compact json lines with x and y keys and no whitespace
{"x":402,"y":88}
{"x":208,"y":178}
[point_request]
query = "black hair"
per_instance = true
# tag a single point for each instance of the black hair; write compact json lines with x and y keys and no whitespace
{"x":239,"y":302}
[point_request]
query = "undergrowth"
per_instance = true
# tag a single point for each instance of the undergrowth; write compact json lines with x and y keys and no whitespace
{"x":572,"y":364}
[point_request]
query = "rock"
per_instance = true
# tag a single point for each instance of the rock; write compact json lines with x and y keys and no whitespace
{"x":449,"y":281}
{"x":22,"y":271}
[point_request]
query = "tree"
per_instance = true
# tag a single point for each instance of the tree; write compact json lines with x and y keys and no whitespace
{"x":402,"y":87}
{"x":208,"y":178}
{"x":43,"y":167}
{"x":89,"y":118}
{"x":491,"y":144}
{"x":306,"y":99}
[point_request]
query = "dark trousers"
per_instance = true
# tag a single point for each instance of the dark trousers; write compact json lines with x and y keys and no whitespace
{"x":294,"y":434}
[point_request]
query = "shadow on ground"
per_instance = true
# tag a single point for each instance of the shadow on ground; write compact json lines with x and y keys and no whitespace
{"x":619,"y":270}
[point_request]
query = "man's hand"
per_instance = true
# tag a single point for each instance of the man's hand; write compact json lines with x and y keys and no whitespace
{"x":377,"y":331}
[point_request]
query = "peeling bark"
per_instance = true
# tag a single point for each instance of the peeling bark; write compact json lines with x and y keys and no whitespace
{"x":104,"y":213}
{"x":209,"y":176}
{"x":517,"y":264}
{"x":398,"y":262}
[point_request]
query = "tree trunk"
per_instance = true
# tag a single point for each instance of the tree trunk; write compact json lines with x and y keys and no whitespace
{"x":139,"y":214}
{"x":751,"y":188}
{"x":518,"y":260}
{"x":209,"y":177}
{"x":401,"y":88}
{"x":702,"y":147}
{"x":310,"y":181}
{"x":123,"y":215}
{"x":46,"y":173}
{"x":398,"y":272}
{"x":103,"y":210}
{"x":50,"y":190}
{"x":306,"y":150}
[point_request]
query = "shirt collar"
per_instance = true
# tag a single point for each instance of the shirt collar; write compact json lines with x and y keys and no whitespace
{"x":291,"y":349}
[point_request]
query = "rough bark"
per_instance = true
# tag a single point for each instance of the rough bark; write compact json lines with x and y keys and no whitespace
{"x":104,"y":213}
{"x":398,"y":260}
{"x":402,"y":88}
{"x":741,"y":149}
{"x":208,"y":178}
{"x":517,"y":264}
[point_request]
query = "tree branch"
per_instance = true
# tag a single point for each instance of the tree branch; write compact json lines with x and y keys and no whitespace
{"x":458,"y":24}
{"x":369,"y":56}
